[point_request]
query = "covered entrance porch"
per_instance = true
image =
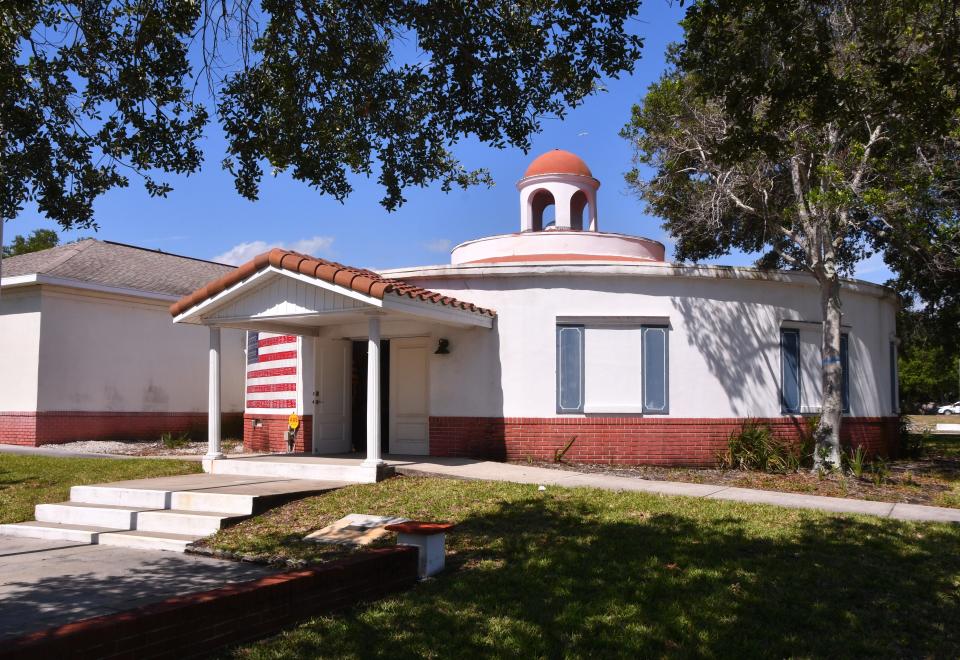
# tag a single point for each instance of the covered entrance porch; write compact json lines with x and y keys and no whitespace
{"x":364,"y":346}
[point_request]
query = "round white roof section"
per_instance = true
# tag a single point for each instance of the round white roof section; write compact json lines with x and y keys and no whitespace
{"x":558,"y":245}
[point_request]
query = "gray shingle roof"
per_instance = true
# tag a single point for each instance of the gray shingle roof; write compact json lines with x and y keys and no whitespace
{"x":118,"y":265}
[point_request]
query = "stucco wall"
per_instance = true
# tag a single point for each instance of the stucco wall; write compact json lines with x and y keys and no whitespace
{"x":100,"y":353}
{"x":19,"y":349}
{"x":724,"y":342}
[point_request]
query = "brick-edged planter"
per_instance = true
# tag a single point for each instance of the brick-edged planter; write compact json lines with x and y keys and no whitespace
{"x":628,"y":440}
{"x":195,"y":625}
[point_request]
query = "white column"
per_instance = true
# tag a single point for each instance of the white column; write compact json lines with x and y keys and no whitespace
{"x":562,"y":197}
{"x":592,"y":200}
{"x":373,"y":392}
{"x":213,"y":405}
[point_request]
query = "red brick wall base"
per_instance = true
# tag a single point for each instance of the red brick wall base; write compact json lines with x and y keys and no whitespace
{"x":628,"y":440}
{"x":55,"y":427}
{"x":196,"y":625}
{"x":271,"y":434}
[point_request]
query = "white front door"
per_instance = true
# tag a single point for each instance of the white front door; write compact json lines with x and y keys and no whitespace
{"x":331,"y":398}
{"x":409,"y":396}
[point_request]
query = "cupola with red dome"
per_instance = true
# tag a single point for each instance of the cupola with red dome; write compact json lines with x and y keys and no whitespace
{"x":562,"y":181}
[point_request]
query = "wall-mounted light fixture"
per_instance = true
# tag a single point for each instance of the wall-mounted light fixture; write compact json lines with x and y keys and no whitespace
{"x":443,"y":347}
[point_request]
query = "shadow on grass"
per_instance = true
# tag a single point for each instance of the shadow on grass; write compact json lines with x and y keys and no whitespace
{"x":567,"y":576}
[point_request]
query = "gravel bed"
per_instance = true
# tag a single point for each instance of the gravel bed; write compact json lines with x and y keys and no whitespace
{"x":132,"y":447}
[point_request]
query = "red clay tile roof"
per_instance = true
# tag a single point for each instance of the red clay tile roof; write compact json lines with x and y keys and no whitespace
{"x":362,"y":281}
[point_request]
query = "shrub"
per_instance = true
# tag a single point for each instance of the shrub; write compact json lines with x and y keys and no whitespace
{"x":881,"y":471}
{"x":912,"y":443}
{"x":755,"y":447}
{"x":170,"y":441}
{"x":857,"y":461}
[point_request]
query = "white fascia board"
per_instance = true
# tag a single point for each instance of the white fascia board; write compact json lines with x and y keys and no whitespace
{"x":335,"y":288}
{"x":70,"y":283}
{"x":615,"y":269}
{"x":436,"y":312}
{"x":197,"y":313}
{"x":18,"y":280}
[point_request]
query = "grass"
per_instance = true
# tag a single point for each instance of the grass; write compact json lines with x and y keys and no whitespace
{"x":582,"y":572}
{"x":26,"y":481}
{"x":931,"y":421}
{"x":942,"y":445}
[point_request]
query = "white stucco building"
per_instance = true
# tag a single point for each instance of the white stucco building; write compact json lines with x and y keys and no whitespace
{"x":88,"y":351}
{"x":556,"y":336}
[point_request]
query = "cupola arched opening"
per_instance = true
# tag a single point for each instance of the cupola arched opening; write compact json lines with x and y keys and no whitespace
{"x":540,"y":203}
{"x":578,"y":202}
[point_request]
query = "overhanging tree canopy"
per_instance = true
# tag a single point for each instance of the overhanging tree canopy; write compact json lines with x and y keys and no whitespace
{"x":811,"y":131}
{"x":94,"y":93}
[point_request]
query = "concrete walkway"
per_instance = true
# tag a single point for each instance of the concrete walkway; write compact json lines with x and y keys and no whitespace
{"x":50,"y":583}
{"x":462,"y":468}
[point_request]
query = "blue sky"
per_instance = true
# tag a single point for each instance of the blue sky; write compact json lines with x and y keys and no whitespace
{"x":205,"y":217}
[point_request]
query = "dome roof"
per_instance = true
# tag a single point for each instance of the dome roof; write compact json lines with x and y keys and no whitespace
{"x":558,"y":161}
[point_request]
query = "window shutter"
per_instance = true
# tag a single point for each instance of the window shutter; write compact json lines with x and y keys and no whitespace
{"x":790,"y":371}
{"x":845,"y":371}
{"x":569,"y":368}
{"x":253,"y":347}
{"x":656,"y":380}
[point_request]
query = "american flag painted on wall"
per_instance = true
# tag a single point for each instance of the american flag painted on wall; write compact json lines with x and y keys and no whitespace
{"x":271,"y":371}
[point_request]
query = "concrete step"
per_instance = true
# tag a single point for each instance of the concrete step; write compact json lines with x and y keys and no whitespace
{"x":136,"y":498}
{"x":314,"y":471}
{"x":81,"y":513}
{"x":144,"y":540}
{"x":175,"y":521}
{"x":54,"y":531}
{"x":199,"y":500}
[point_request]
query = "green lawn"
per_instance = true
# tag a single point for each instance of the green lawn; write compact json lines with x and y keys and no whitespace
{"x":29,"y":480}
{"x":942,"y":445}
{"x":589,"y":573}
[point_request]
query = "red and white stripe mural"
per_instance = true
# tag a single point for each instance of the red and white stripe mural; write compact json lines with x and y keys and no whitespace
{"x":271,"y":372}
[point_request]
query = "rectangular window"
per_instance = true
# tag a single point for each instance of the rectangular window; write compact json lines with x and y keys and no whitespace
{"x":655,"y":370}
{"x":845,"y":372}
{"x":613,"y":368}
{"x":790,"y":371}
{"x":569,"y":368}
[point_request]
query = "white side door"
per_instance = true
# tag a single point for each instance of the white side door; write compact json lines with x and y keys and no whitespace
{"x":331,"y":398}
{"x":409,"y":397}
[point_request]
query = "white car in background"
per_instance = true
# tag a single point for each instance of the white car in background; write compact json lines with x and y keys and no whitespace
{"x":949,"y":409}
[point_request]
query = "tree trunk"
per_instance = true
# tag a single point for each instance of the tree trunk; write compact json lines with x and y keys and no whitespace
{"x":827,"y":435}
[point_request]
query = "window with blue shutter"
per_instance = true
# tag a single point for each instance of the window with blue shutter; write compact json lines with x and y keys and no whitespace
{"x":655,"y":370}
{"x":253,"y":347}
{"x":845,"y":372}
{"x":569,"y":368}
{"x":790,"y":371}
